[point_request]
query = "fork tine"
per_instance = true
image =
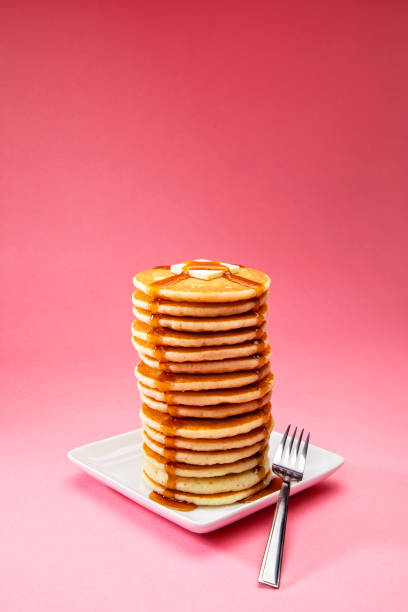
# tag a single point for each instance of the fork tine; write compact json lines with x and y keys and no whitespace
{"x":302,"y":458}
{"x":289,"y":457}
{"x":299,"y":442}
{"x":279,"y":451}
{"x":292,"y":440}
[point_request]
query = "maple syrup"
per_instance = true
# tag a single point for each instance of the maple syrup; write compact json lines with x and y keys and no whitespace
{"x":272,"y":487}
{"x":204,"y":265}
{"x":170,"y":502}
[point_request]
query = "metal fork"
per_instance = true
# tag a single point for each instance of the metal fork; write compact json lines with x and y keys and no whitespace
{"x":289,"y":464}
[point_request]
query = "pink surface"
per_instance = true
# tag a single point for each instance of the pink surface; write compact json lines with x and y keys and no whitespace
{"x":136,"y":134}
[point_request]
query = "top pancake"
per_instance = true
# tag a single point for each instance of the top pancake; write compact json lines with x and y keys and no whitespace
{"x":190,"y":289}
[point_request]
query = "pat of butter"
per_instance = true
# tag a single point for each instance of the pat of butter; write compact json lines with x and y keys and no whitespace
{"x":206,"y":274}
{"x":231,"y":267}
{"x":203,"y":274}
{"x":177,"y":268}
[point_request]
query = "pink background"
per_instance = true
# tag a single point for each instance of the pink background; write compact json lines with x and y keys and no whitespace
{"x":143,"y":133}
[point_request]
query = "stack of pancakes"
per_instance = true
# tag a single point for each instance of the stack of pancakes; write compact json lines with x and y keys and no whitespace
{"x":204,"y":379}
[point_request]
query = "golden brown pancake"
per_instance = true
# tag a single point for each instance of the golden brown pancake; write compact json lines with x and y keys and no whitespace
{"x":212,"y":457}
{"x":224,"y":289}
{"x":217,"y":499}
{"x":253,"y":362}
{"x":204,"y":428}
{"x":197,"y":382}
{"x":207,"y":485}
{"x":198,"y":354}
{"x":247,"y":393}
{"x":195,"y":309}
{"x":168,"y":337}
{"x":253,"y":318}
{"x":204,"y":471}
{"x":219,"y":411}
{"x":207,"y":444}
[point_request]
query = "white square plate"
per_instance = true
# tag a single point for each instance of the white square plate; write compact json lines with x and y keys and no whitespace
{"x":117,"y":462}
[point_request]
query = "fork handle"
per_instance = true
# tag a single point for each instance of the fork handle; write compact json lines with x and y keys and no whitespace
{"x":272,"y":561}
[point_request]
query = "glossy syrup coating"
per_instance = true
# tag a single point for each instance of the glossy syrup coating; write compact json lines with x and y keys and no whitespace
{"x":161,"y":282}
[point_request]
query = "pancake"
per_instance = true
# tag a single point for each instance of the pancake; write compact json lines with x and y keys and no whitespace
{"x":243,"y":284}
{"x":195,"y":309}
{"x":203,"y":471}
{"x":199,"y":354}
{"x":218,"y":499}
{"x":252,"y":318}
{"x":164,"y":381}
{"x":219,"y":411}
{"x":209,"y":444}
{"x":213,"y":457}
{"x":204,"y":428}
{"x":168,"y":337}
{"x":247,"y":393}
{"x":207,"y":485}
{"x":252,"y":362}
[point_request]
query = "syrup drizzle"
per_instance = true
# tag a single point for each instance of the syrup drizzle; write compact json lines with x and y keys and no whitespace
{"x":272,"y":487}
{"x":204,"y":265}
{"x":170,"y":502}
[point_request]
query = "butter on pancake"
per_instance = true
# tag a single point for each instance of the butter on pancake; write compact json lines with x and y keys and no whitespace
{"x":242,"y":284}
